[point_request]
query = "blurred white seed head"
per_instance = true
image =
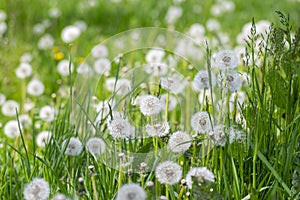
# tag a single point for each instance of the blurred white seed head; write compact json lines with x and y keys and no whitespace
{"x":100,"y":51}
{"x":72,"y":146}
{"x":226,"y":59}
{"x":231,"y":80}
{"x":9,"y":108}
{"x":174,"y":83}
{"x":2,"y":99}
{"x":24,"y":70}
{"x":201,"y":174}
{"x":43,"y":138}
{"x":11,"y":129}
{"x":95,"y":146}
{"x":218,"y":136}
{"x":64,"y":67}
{"x":47,"y":113}
{"x":131,"y":191}
{"x":120,"y":128}
{"x":102,"y":66}
{"x":172,"y":102}
{"x":46,"y":42}
{"x":70,"y":33}
{"x":37,"y":189}
{"x":60,"y":197}
{"x":201,"y":80}
{"x":25,"y":120}
{"x":35,"y":87}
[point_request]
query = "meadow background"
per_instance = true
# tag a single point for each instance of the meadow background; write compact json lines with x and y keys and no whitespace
{"x":264,"y":164}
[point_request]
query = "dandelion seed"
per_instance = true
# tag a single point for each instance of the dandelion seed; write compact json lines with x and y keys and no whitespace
{"x":10,"y":107}
{"x":73,"y":148}
{"x":226,"y":59}
{"x":47,"y":113}
{"x":179,"y":142}
{"x":173,"y":14}
{"x":35,"y":87}
{"x":100,"y":51}
{"x":24,"y":70}
{"x":81,"y":25}
{"x":26,"y":58}
{"x":11,"y":129}
{"x":39,"y":29}
{"x":175,"y":83}
{"x":121,"y":87}
{"x":70,"y":33}
{"x":102,"y":66}
{"x":64,"y":67}
{"x":131,"y":191}
{"x":213,"y":25}
{"x":158,"y":130}
{"x":168,"y":172}
{"x":150,"y":105}
{"x":120,"y":128}
{"x":231,"y":80}
{"x":43,"y":138}
{"x":54,"y":13}
{"x":201,"y":80}
{"x":171,"y":103}
{"x":200,"y":122}
{"x":37,"y":189}
{"x":218,"y":136}
{"x":201,"y":174}
{"x":95,"y":146}
{"x":46,"y":42}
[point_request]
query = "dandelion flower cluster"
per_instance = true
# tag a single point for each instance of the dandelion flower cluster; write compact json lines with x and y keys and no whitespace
{"x":179,"y":142}
{"x":73,"y":146}
{"x":37,"y":189}
{"x":201,"y":174}
{"x":131,"y":191}
{"x":168,"y":172}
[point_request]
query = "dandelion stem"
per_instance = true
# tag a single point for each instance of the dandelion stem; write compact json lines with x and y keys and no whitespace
{"x":94,"y":188}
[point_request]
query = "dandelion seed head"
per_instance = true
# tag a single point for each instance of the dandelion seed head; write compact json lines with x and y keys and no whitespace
{"x":11,"y":129}
{"x":25,"y":120}
{"x":102,"y":66}
{"x":60,"y":197}
{"x":9,"y":108}
{"x":218,"y":136}
{"x":120,"y":128}
{"x":95,"y":146}
{"x":168,"y":172}
{"x":70,"y":33}
{"x":155,"y":56}
{"x":73,"y":148}
{"x":200,"y":122}
{"x":171,"y":103}
{"x":150,"y":105}
{"x":37,"y":189}
{"x":131,"y":191}
{"x":35,"y":87}
{"x":156,"y":69}
{"x":202,"y":175}
{"x":226,"y":59}
{"x":24,"y":70}
{"x":173,"y":14}
{"x":46,"y":42}
{"x":43,"y":138}
{"x":2,"y":99}
{"x":174,"y":83}
{"x":201,"y":80}
{"x":179,"y":142}
{"x":100,"y":51}
{"x":158,"y":130}
{"x":64,"y":67}
{"x":231,"y":80}
{"x":47,"y":113}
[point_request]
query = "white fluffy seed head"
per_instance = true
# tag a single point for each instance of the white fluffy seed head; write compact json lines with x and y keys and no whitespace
{"x":226,"y":59}
{"x":179,"y":142}
{"x":102,"y":66}
{"x":64,"y":67}
{"x":231,"y":80}
{"x":131,"y":191}
{"x":35,"y":87}
{"x":200,"y":122}
{"x":95,"y":146}
{"x":47,"y":113}
{"x":120,"y":128}
{"x":70,"y":33}
{"x":72,"y":146}
{"x":43,"y":138}
{"x":158,"y":130}
{"x":200,"y":174}
{"x":11,"y":129}
{"x":168,"y":172}
{"x":218,"y":136}
{"x":37,"y":189}
{"x":10,"y":107}
{"x":201,"y":80}
{"x":150,"y":105}
{"x":24,"y":70}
